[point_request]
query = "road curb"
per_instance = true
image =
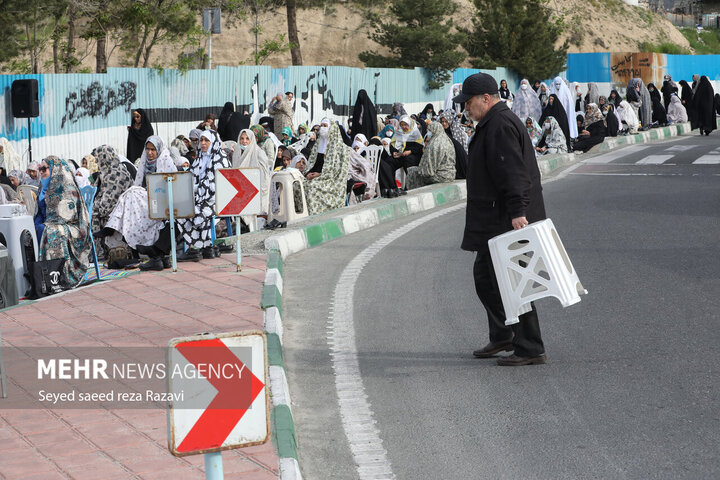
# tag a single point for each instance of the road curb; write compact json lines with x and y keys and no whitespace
{"x":281,"y":419}
{"x":308,"y":236}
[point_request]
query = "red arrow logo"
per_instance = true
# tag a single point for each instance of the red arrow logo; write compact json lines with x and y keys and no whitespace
{"x":235,"y":395}
{"x":246,"y":191}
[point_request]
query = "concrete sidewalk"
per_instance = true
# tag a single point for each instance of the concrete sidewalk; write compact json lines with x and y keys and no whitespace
{"x":147,"y":309}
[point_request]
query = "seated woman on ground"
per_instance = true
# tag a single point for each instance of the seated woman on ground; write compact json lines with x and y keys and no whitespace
{"x":360,"y":171}
{"x":326,"y":190}
{"x":129,"y":221}
{"x":66,"y":232}
{"x":408,"y":143}
{"x":594,"y":129}
{"x":113,"y":179}
{"x":437,"y":164}
{"x":553,"y":140}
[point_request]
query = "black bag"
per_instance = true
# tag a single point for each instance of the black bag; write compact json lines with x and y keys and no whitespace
{"x":46,"y":278}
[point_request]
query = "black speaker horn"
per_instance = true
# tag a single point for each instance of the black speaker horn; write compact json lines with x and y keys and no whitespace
{"x":25,"y":103}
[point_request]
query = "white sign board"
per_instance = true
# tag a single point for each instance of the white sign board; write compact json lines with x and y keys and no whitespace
{"x":219,"y":400}
{"x":237,"y":191}
{"x":183,"y":195}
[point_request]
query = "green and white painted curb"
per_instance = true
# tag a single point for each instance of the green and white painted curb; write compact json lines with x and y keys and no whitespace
{"x":282,"y":424}
{"x":374,"y":214}
{"x":279,"y":246}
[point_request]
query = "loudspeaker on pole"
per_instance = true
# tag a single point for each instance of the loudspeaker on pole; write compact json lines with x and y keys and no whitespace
{"x":25,"y":103}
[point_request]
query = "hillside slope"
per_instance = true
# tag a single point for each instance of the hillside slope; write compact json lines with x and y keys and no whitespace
{"x":335,"y":36}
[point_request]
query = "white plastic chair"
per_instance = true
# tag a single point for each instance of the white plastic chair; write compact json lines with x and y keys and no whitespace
{"x":373,"y":153}
{"x":531,"y":263}
{"x":286,"y":179}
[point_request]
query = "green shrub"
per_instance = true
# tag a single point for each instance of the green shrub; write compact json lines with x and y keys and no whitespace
{"x":663,"y":47}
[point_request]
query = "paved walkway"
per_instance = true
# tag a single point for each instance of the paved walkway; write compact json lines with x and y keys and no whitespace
{"x":147,"y":309}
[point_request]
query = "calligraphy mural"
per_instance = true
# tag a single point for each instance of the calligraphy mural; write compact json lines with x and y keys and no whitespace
{"x":97,"y":100}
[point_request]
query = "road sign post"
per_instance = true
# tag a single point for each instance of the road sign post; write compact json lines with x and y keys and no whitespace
{"x":170,"y":196}
{"x":220,"y":401}
{"x":171,"y":211}
{"x":237,"y":193}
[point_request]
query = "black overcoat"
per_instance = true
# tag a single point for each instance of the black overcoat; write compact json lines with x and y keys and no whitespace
{"x":503,"y":178}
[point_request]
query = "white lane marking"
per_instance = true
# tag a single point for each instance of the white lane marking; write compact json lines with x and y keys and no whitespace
{"x":654,"y":159}
{"x":355,"y":410}
{"x":680,"y":148}
{"x":617,"y":154}
{"x":707,"y":160}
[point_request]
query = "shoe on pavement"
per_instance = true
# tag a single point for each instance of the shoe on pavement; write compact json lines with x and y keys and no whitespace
{"x":190,"y":255}
{"x":491,"y":349}
{"x":167,"y":261}
{"x":515,"y":361}
{"x":226,"y":248}
{"x":208,"y":252}
{"x":154,"y":263}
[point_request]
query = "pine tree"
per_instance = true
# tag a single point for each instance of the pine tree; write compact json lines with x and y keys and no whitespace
{"x":517,"y":35}
{"x":418,"y":36}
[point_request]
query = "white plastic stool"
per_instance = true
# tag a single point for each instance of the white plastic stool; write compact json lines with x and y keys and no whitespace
{"x":12,"y":229}
{"x":531,"y":263}
{"x":287,"y":178}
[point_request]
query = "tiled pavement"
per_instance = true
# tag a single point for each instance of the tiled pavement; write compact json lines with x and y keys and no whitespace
{"x":147,"y":309}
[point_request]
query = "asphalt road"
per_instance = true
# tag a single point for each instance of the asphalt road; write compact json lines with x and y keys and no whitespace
{"x":631,"y":385}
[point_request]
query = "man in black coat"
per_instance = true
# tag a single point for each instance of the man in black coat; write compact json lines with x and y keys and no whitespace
{"x":504,"y":193}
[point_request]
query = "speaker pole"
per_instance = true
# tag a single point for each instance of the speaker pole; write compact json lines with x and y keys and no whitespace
{"x":29,"y":143}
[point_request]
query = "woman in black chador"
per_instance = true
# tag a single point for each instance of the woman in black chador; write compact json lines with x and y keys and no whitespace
{"x":703,"y":108}
{"x":138,"y":132}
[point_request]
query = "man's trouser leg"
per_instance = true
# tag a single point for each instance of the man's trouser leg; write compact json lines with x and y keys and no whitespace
{"x":527,"y":339}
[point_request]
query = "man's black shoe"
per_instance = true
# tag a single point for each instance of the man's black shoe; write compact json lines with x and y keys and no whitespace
{"x":400,"y":192}
{"x":154,"y":263}
{"x":190,"y":255}
{"x":492,"y":349}
{"x":515,"y":361}
{"x":208,"y":252}
{"x":167,"y":261}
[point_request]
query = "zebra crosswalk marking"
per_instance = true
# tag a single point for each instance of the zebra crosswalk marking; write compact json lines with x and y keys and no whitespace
{"x":654,"y":159}
{"x":612,"y":156}
{"x":707,"y":160}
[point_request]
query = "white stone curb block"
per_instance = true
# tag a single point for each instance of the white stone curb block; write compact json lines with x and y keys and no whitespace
{"x":413,"y":204}
{"x":462,"y":187}
{"x":273,"y":277}
{"x":427,"y":200}
{"x":273,"y":322}
{"x":279,"y":386}
{"x":367,"y":219}
{"x":287,"y":243}
{"x":289,"y":469}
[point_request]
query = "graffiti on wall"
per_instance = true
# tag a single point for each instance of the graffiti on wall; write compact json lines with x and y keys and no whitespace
{"x":97,"y":100}
{"x":647,"y":66}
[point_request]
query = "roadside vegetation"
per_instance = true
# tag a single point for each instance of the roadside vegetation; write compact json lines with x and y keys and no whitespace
{"x":703,"y":42}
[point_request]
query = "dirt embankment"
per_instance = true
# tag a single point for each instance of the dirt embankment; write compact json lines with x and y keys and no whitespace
{"x":335,"y":35}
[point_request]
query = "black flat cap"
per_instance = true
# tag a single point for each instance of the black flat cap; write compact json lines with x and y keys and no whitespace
{"x":476,"y":84}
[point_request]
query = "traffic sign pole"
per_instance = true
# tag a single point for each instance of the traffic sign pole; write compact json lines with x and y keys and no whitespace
{"x":238,"y":247}
{"x":171,"y":209}
{"x":213,"y":466}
